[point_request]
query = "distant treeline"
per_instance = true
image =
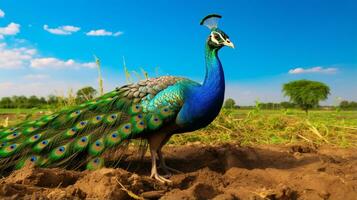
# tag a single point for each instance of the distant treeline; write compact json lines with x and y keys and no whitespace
{"x":348,"y":105}
{"x":28,"y":102}
{"x":273,"y":106}
{"x":82,"y":95}
{"x":344,"y":105}
{"x":88,"y":93}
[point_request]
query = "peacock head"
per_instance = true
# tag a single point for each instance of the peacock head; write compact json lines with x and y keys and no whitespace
{"x":217,"y":39}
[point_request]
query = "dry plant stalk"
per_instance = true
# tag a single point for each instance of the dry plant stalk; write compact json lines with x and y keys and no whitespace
{"x":130,"y":193}
{"x":100,"y":79}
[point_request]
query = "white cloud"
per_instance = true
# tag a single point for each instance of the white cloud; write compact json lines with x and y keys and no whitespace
{"x":2,"y":13}
{"x":25,"y":57}
{"x":54,"y":63}
{"x":36,"y":76}
{"x":11,"y":29}
{"x":320,"y":70}
{"x":15,"y":58}
{"x":62,"y":30}
{"x":103,"y":32}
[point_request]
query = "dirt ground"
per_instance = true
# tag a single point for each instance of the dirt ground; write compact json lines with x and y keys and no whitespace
{"x":210,"y":172}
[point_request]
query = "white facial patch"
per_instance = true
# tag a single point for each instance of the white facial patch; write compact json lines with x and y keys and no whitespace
{"x":213,"y":37}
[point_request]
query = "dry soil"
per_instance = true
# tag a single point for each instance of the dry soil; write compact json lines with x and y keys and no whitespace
{"x":225,"y":171}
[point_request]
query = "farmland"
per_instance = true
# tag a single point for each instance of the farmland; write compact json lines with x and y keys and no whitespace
{"x":254,"y":126}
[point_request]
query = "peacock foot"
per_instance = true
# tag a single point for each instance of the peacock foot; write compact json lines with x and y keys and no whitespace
{"x":160,"y":178}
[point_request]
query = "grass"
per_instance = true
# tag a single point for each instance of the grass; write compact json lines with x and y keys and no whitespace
{"x":256,"y":126}
{"x":249,"y":127}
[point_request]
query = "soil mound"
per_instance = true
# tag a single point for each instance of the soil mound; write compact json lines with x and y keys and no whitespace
{"x":222,"y":172}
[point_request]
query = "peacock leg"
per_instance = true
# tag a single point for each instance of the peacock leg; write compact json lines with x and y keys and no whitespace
{"x":154,"y":142}
{"x":163,"y":165}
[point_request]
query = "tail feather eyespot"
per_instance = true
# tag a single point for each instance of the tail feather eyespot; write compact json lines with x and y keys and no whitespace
{"x":71,"y":132}
{"x":165,"y":112}
{"x":82,"y":124}
{"x":97,"y":119}
{"x":97,"y":147}
{"x":75,"y":113}
{"x":125,"y":130}
{"x":34,"y":138}
{"x":113,"y":139}
{"x":41,"y":145}
{"x":95,"y":163}
{"x":112,"y":118}
{"x":81,"y":143}
{"x":154,"y":122}
{"x":32,"y":159}
{"x":9,"y":149}
{"x":8,"y":131}
{"x":136,"y":108}
{"x":139,"y":126}
{"x":58,"y":153}
{"x":12,"y":136}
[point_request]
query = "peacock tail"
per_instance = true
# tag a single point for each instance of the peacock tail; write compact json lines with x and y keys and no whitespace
{"x":78,"y":136}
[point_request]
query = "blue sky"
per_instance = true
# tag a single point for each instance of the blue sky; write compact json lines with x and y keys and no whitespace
{"x":47,"y":47}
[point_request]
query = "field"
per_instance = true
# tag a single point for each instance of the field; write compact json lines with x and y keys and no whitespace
{"x":243,"y":154}
{"x":250,"y":127}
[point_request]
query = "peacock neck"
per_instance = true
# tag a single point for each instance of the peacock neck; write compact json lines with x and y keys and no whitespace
{"x":204,"y":102}
{"x":214,"y":78}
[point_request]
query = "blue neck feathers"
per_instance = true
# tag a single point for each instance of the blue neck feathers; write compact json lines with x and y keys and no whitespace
{"x":214,"y":78}
{"x":204,"y":101}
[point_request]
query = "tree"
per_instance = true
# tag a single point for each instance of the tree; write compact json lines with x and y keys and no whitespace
{"x":286,"y":104}
{"x":344,"y":104}
{"x":306,"y":94}
{"x":20,"y":101}
{"x":229,"y":103}
{"x":348,"y":105}
{"x":86,"y":93}
{"x":6,"y":102}
{"x":52,"y":99}
{"x":33,"y":101}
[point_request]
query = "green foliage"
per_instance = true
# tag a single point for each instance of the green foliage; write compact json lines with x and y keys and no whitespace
{"x":256,"y":109}
{"x":306,"y":94}
{"x":287,"y":105}
{"x":52,"y":101}
{"x":348,"y":105}
{"x":23,"y":102}
{"x":86,"y":93}
{"x":229,"y":103}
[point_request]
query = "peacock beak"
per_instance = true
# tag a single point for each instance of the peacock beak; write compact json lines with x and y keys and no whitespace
{"x":228,"y":43}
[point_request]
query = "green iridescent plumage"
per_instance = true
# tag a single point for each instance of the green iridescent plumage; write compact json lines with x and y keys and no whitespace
{"x":88,"y":130}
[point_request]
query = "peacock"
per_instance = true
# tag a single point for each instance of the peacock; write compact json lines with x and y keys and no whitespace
{"x":152,"y":109}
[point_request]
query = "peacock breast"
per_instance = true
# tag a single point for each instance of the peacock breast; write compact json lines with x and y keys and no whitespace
{"x":200,"y":109}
